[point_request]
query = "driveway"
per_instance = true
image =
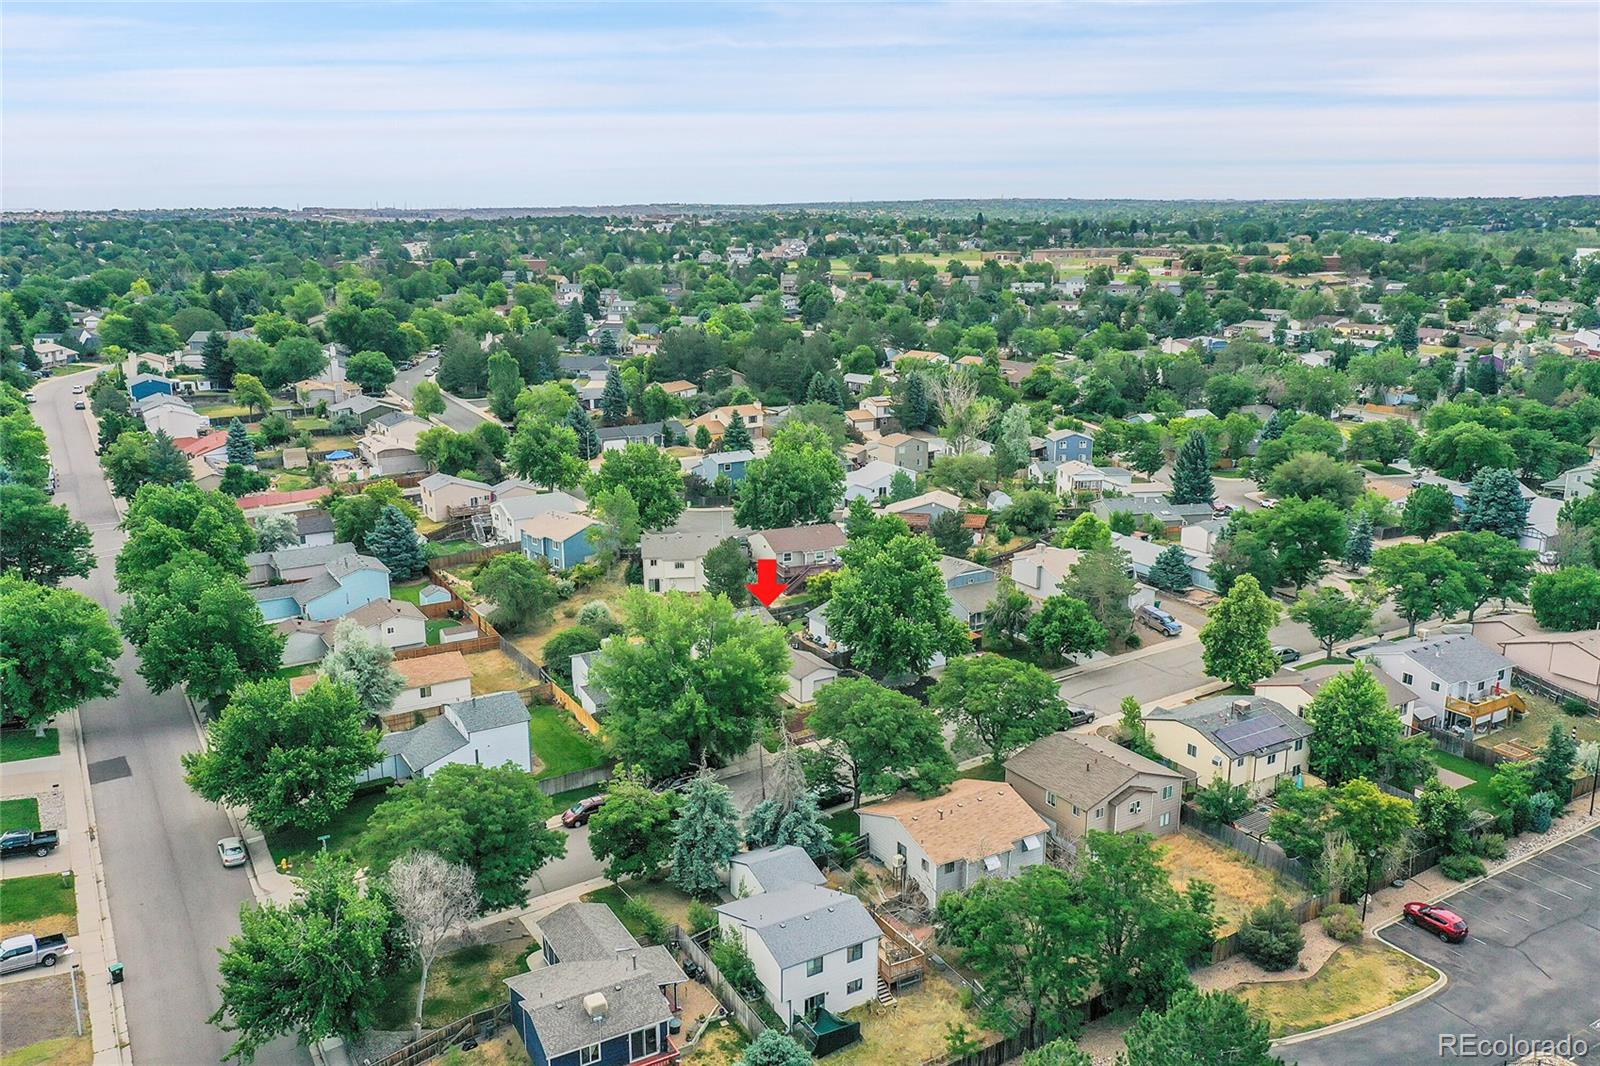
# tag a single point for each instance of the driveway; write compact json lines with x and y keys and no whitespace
{"x":1527,"y":970}
{"x":459,"y":415}
{"x":172,"y":904}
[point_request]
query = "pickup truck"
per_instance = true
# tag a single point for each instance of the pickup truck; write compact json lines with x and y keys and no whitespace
{"x":27,"y":951}
{"x":21,"y":841}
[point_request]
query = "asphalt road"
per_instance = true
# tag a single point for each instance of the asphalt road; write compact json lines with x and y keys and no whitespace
{"x":172,"y":903}
{"x":1527,"y":969}
{"x":459,"y":415}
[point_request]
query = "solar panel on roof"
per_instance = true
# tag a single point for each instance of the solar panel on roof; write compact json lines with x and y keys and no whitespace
{"x":1254,"y":734}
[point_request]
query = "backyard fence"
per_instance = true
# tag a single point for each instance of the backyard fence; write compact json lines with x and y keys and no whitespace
{"x":1258,"y":850}
{"x":1522,"y":679}
{"x":729,"y":996}
{"x":434,"y":1043}
{"x":1466,"y":748}
{"x":594,"y":775}
{"x":994,"y":1054}
{"x":467,"y":558}
{"x":1307,"y":909}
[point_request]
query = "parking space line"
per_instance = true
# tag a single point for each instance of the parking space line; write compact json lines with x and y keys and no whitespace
{"x":1553,"y":873}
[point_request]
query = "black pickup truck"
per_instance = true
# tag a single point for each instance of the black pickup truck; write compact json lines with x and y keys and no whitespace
{"x":22,"y":841}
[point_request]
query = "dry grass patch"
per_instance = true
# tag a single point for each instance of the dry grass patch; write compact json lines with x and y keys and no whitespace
{"x":609,"y":591}
{"x":1240,"y":884}
{"x":493,"y":671}
{"x":723,"y":1045}
{"x":913,"y":1032}
{"x":504,"y":1049}
{"x":1356,"y":980}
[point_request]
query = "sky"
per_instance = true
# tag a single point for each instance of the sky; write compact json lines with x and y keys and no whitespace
{"x":500,"y":105}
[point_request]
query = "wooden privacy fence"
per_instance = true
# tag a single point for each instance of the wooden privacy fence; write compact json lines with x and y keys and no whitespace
{"x":1466,"y":748}
{"x":1258,"y":850}
{"x":685,"y":947}
{"x":466,"y":558}
{"x":595,"y":775}
{"x":1304,"y":911}
{"x":1520,"y":678}
{"x":432,"y":1044}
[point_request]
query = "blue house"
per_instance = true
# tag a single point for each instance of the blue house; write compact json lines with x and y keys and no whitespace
{"x":561,"y":539}
{"x":599,"y":999}
{"x":318,"y":584}
{"x":142,"y":385}
{"x":1065,"y":445}
{"x":726,"y":464}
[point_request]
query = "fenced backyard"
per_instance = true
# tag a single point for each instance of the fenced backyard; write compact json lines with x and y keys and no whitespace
{"x":685,"y":947}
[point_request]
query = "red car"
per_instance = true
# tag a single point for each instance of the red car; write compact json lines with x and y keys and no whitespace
{"x":579,"y":813}
{"x":1445,"y":924}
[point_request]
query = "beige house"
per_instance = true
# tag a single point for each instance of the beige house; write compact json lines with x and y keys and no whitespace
{"x":313,"y":391}
{"x":1295,"y":688}
{"x":1568,"y":661}
{"x":390,"y":445}
{"x":445,"y":496}
{"x":807,"y":674}
{"x":674,"y":562}
{"x":1250,"y":741}
{"x":901,"y":449}
{"x":1078,"y":782}
{"x":799,"y":550}
{"x":430,"y":682}
{"x":393,"y":623}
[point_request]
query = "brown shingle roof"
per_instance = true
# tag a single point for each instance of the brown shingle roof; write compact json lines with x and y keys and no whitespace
{"x":973,"y":820}
{"x":804,"y":538}
{"x":1086,"y":770}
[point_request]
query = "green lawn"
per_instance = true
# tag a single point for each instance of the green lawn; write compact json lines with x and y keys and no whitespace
{"x":437,"y":626}
{"x":28,"y":899}
{"x":1337,"y":660}
{"x":985,"y":771}
{"x":1533,"y":728}
{"x":847,"y":821}
{"x":411,"y":592}
{"x":560,"y":745}
{"x":1477,"y":792}
{"x":18,"y":744}
{"x":344,"y":834}
{"x":562,"y":800}
{"x":22,"y":813}
{"x":286,"y":672}
{"x":438,"y":548}
{"x":459,"y":984}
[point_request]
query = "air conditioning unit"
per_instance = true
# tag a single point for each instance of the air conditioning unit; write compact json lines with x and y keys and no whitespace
{"x":1216,"y":760}
{"x":897,"y":863}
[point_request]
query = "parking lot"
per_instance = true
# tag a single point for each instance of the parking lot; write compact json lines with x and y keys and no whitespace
{"x":1527,"y":970}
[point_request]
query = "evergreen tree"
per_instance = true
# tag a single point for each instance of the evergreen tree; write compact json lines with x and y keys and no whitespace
{"x":706,"y":837}
{"x":702,"y":438}
{"x":607,"y":346}
{"x":240,"y":450}
{"x":168,"y":465}
{"x":218,"y":364}
{"x":577,"y":327}
{"x":915,"y":409}
{"x":824,"y":388}
{"x":1495,"y":503}
{"x":1170,"y":571}
{"x":802,"y":825}
{"x":1191,"y":471}
{"x":583,"y":426}
{"x":1484,"y":378}
{"x":1358,"y":548}
{"x":1552,"y":772}
{"x":1277,"y":424}
{"x":395,"y":543}
{"x":614,"y":400}
{"x":737,"y":436}
{"x":1405,"y":334}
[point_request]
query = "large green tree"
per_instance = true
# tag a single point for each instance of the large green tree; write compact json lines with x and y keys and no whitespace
{"x":1495,"y":502}
{"x":705,"y":837}
{"x":1429,"y":510}
{"x":39,"y":540}
{"x":1494,"y":567}
{"x":1354,"y":727}
{"x":1567,"y":599}
{"x":801,"y":481}
{"x":1063,"y":627}
{"x":633,"y":832}
{"x":522,"y":591}
{"x":1237,"y":635}
{"x":1424,"y":580}
{"x":174,"y":524}
{"x":1002,"y":703}
{"x":546,"y":454}
{"x":1103,"y":580}
{"x":57,"y":650}
{"x":489,"y":818}
{"x":1200,"y":1028}
{"x":1331,"y":615}
{"x":890,"y":607}
{"x":288,"y":761}
{"x":885,"y":739}
{"x":1191,"y":471}
{"x":727,"y":570}
{"x":356,"y":513}
{"x":650,"y":474}
{"x":693,"y":682}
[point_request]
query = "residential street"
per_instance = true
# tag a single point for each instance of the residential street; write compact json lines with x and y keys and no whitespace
{"x":172,"y":903}
{"x":458,"y":414}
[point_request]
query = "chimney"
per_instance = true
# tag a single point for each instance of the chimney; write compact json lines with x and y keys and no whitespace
{"x":594,"y":1005}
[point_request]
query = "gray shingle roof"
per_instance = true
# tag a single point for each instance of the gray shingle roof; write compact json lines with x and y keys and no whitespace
{"x":424,"y":745}
{"x":490,"y":711}
{"x":312,"y":555}
{"x":436,"y":481}
{"x":1451,"y":657}
{"x":1085,"y":769}
{"x":803,"y":922}
{"x":642,"y":432}
{"x":553,"y":996}
{"x":306,"y":591}
{"x":679,"y":547}
{"x":1265,"y":726}
{"x":780,"y":866}
{"x":345,"y":565}
{"x":309,"y":522}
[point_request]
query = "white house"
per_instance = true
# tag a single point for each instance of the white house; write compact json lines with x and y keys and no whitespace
{"x":871,"y":482}
{"x":393,"y":623}
{"x":445,"y":496}
{"x":1455,"y":674}
{"x":490,"y":730}
{"x":975,"y":830}
{"x":771,"y":868}
{"x":1039,"y":570}
{"x":1576,"y":483}
{"x":507,"y":513}
{"x":1250,"y":741}
{"x":1296,"y":688}
{"x":674,"y":562}
{"x":429,"y":682}
{"x":171,"y":415}
{"x":390,"y":445}
{"x":807,"y":674}
{"x":813,"y":948}
{"x":1144,"y":554}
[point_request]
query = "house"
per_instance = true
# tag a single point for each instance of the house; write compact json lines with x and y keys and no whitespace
{"x":1542,"y":522}
{"x":673,"y":560}
{"x":143,"y":385}
{"x":315,"y":528}
{"x":393,"y":623}
{"x":295,"y":501}
{"x":319,"y":591}
{"x":872,"y":481}
{"x":807,"y":674}
{"x":429,"y":682}
{"x":731,"y":465}
{"x":1295,"y":688}
{"x":1455,"y":674}
{"x":771,"y":869}
{"x":1144,"y":554}
{"x":598,"y":997}
{"x":1078,"y":781}
{"x":1250,"y":741}
{"x":972,"y":588}
{"x":488,"y":730}
{"x":616,"y":438}
{"x":365,"y":409}
{"x":1569,"y":662}
{"x":1576,"y":483}
{"x":390,"y":445}
{"x":976,"y":829}
{"x":1073,"y":477}
{"x":902,"y":450}
{"x":52,"y":354}
{"x":757,"y":418}
{"x":1068,"y":445}
{"x":166,"y":413}
{"x":507,"y":513}
{"x":813,"y":948}
{"x":560,"y":538}
{"x":679,"y":389}
{"x":313,"y":391}
{"x":1039,"y":570}
{"x":919,"y":510}
{"x":799,"y":550}
{"x":445,"y":497}
{"x":1170,"y":516}
{"x":205,"y":447}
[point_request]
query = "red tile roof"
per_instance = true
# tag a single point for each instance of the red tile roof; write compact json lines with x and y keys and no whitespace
{"x":193,"y":446}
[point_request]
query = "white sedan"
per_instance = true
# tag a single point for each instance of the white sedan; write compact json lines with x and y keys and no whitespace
{"x":232,"y":851}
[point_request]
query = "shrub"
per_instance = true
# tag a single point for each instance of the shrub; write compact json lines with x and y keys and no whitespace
{"x":729,"y":956}
{"x":1461,"y":867}
{"x":597,"y":616}
{"x":1134,"y":640}
{"x":647,"y":919}
{"x":701,"y":917}
{"x":1541,"y":811}
{"x":1576,"y":708}
{"x":1342,"y":922}
{"x":1271,"y":937}
{"x":1491,"y":846}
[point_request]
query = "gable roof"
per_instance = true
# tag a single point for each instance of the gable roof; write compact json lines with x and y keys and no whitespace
{"x":280,"y":499}
{"x":438,"y":737}
{"x":874,"y":471}
{"x":345,"y":565}
{"x":803,"y":664}
{"x":936,"y":496}
{"x":1313,"y":678}
{"x":553,"y":999}
{"x":801,"y":922}
{"x":803,"y":538}
{"x":1449,"y":657}
{"x":376,"y":611}
{"x":1084,"y":768}
{"x":204,"y":444}
{"x":558,"y":526}
{"x":435,"y":482}
{"x":434,"y":670}
{"x":679,"y":547}
{"x":971,"y":821}
{"x":1265,"y":725}
{"x":520,"y":508}
{"x":779,"y":866}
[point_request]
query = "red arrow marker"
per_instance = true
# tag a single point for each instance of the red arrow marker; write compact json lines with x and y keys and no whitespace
{"x":766,"y":587}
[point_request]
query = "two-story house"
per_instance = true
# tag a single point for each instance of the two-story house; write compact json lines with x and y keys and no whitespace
{"x":389,"y":446}
{"x":1078,"y":782}
{"x":1250,"y":741}
{"x":947,"y":843}
{"x":560,"y":538}
{"x":510,"y":510}
{"x":163,"y":412}
{"x":674,"y":561}
{"x":1296,"y":688}
{"x":315,"y":583}
{"x":1068,"y":445}
{"x":445,"y":496}
{"x":731,"y":465}
{"x":872,"y":481}
{"x":902,"y":450}
{"x":972,"y":589}
{"x":487,"y":730}
{"x":799,"y":550}
{"x":1464,"y":680}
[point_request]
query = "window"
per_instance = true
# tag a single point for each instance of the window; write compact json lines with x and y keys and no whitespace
{"x":813,"y":967}
{"x":991,"y":863}
{"x":425,"y":691}
{"x":1434,"y":686}
{"x":1166,"y":792}
{"x":924,"y":865}
{"x":588,"y":1056}
{"x":1135,"y":807}
{"x":1099,"y":812}
{"x":816,"y":1003}
{"x":855,"y":952}
{"x":1075,"y":809}
{"x":1239,"y":761}
{"x":644,"y":1042}
{"x":853,"y":987}
{"x":948,"y":868}
{"x":677,"y":566}
{"x":1030,"y":843}
{"x":1050,"y":799}
{"x":1166,"y":819}
{"x":1300,"y":743}
{"x":1405,"y":679}
{"x":1191,"y":750}
{"x":1272,"y":758}
{"x":900,"y":850}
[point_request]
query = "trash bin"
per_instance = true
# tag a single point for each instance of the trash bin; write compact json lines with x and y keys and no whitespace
{"x":115,"y":969}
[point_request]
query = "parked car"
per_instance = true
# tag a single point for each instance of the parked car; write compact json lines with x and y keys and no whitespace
{"x":79,"y":406}
{"x":1158,"y":620}
{"x":22,"y":841}
{"x":431,"y":372}
{"x":1079,"y":714}
{"x":1285,"y":654}
{"x":25,"y":951}
{"x":1445,"y":924}
{"x":1221,"y":510}
{"x":580,"y":813}
{"x":1269,"y":503}
{"x":30,"y":397}
{"x":77,"y":390}
{"x":232,"y":851}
